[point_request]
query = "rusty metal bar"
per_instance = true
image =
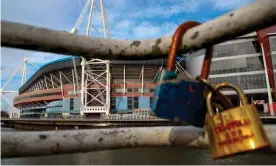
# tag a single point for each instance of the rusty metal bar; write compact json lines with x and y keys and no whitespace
{"x":257,"y":15}
{"x":22,"y":144}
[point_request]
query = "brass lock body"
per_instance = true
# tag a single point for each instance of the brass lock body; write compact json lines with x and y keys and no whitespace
{"x":234,"y":130}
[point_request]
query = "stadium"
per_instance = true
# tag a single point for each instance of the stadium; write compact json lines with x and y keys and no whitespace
{"x":95,"y":88}
{"x":108,"y":87}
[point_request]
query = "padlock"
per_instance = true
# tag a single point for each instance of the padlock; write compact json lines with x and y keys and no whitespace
{"x":234,"y":130}
{"x":177,"y":97}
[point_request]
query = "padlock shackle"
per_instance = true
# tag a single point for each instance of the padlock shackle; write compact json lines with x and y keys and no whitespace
{"x":240,"y":93}
{"x":218,"y":96}
{"x":220,"y":86}
{"x":176,"y":42}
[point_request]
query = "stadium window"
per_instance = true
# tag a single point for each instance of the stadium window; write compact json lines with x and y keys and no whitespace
{"x":71,"y":103}
{"x":136,"y":102}
{"x":130,"y":103}
{"x":135,"y":89}
{"x":113,"y":103}
{"x":151,"y":100}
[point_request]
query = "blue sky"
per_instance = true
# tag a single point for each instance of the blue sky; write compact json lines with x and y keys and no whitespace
{"x":128,"y":19}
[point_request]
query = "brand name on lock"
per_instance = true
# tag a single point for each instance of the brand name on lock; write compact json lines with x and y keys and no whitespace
{"x":232,"y":131}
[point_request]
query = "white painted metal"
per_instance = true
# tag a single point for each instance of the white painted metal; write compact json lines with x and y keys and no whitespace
{"x":102,"y":12}
{"x":24,"y":70}
{"x":61,"y":84}
{"x":22,"y":65}
{"x":124,"y":79}
{"x":42,"y":83}
{"x":81,"y":16}
{"x":74,"y":81}
{"x":142,"y":84}
{"x":108,"y":86}
{"x":270,"y":101}
{"x":46,"y":82}
{"x":97,"y":81}
{"x":90,"y":18}
{"x":67,"y":79}
{"x":76,"y":74}
{"x":237,"y":74}
{"x":52,"y":81}
{"x":158,"y":71}
{"x":82,"y":84}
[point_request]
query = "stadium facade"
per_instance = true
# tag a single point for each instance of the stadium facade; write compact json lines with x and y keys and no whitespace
{"x":100,"y":87}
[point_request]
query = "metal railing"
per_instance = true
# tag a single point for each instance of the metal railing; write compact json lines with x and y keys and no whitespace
{"x":255,"y":16}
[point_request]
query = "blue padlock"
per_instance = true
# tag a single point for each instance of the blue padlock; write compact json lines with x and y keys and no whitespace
{"x":180,"y":98}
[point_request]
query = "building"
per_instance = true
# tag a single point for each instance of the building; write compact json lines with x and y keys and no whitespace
{"x":94,"y":87}
{"x":241,"y":62}
{"x":116,"y":87}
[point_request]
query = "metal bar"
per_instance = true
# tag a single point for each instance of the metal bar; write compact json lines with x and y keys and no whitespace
{"x":124,"y":79}
{"x":71,"y":141}
{"x":74,"y":82}
{"x":86,"y":92}
{"x":158,"y":71}
{"x":69,"y":81}
{"x":103,"y":20}
{"x":221,"y":29}
{"x":42,"y":83}
{"x":107,"y":86}
{"x":61,"y":85}
{"x":90,"y":18}
{"x":52,"y":80}
{"x":142,"y":84}
{"x":270,"y":101}
{"x":45,"y":82}
{"x":106,"y":23}
{"x":76,"y":74}
{"x":82,"y":80}
{"x":14,"y":72}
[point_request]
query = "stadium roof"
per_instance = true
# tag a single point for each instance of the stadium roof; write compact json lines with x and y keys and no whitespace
{"x":67,"y":63}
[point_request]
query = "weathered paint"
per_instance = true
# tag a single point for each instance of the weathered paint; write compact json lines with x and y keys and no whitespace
{"x":221,"y":29}
{"x":73,"y":141}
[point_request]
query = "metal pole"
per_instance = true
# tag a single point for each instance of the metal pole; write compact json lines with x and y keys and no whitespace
{"x":46,"y":82}
{"x":71,"y":141}
{"x":270,"y":101}
{"x":124,"y":79}
{"x":61,"y":85}
{"x":15,"y":71}
{"x":85,"y":96}
{"x":52,"y":81}
{"x":108,"y":86}
{"x":25,"y":144}
{"x":74,"y":82}
{"x":226,"y":27}
{"x":103,"y":18}
{"x":41,"y":81}
{"x":82,"y":82}
{"x":90,"y":18}
{"x":142,"y":86}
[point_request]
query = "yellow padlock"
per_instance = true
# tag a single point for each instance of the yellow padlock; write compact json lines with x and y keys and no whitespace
{"x":234,"y":130}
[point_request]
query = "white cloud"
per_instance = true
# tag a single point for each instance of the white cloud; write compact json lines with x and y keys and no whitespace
{"x":125,"y":24}
{"x":146,"y":29}
{"x":166,"y":8}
